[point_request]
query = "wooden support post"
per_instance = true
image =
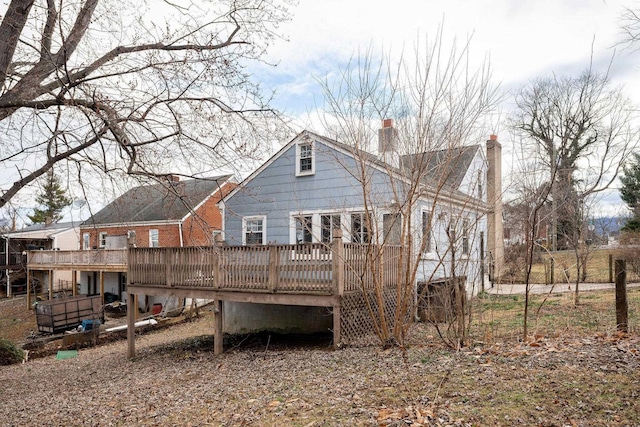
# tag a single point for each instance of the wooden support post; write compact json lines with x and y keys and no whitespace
{"x":28,"y":288}
{"x":218,"y":336}
{"x":102,"y":287}
{"x":337,"y":267}
{"x":167,"y":263}
{"x":337,"y":262}
{"x":50,"y":284}
{"x":622,"y":307}
{"x":132,"y":310}
{"x":74,"y":282}
{"x":611,"y":280}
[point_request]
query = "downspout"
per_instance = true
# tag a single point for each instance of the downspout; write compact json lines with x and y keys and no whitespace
{"x":180,"y":231}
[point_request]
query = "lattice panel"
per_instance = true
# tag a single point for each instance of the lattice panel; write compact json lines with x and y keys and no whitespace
{"x":355,"y":320}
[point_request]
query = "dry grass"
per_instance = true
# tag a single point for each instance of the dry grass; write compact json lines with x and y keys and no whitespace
{"x":599,"y":267}
{"x":576,"y":371}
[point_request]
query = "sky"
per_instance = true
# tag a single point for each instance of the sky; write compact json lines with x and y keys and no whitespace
{"x":522,"y":40}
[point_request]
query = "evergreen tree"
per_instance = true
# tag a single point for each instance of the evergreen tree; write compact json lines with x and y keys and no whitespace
{"x":52,"y":201}
{"x":630,"y":191}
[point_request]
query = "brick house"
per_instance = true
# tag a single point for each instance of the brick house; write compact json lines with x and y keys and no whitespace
{"x":173,"y":213}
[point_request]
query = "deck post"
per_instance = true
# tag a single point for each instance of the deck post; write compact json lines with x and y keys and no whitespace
{"x":215,"y":266}
{"x":337,"y":266}
{"x":74,"y":282}
{"x":131,"y":320}
{"x":218,"y":336}
{"x":273,"y":268}
{"x":50,"y":284}
{"x":28,"y":286}
{"x":101,"y":287}
{"x":167,"y":265}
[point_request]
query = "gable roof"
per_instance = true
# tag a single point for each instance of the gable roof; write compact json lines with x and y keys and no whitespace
{"x":457,"y":169}
{"x":169,"y":201}
{"x":447,"y":166}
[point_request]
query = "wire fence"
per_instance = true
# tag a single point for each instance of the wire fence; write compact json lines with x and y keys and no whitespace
{"x":501,"y":317}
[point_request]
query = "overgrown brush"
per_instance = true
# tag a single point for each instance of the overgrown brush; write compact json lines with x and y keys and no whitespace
{"x":10,"y":353}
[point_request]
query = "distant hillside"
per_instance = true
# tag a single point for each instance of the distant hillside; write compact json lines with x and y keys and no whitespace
{"x":608,"y":225}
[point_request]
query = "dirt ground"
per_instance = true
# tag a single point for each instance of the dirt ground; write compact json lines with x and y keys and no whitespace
{"x":564,"y":380}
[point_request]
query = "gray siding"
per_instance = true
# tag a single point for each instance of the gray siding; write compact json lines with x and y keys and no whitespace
{"x":276,"y":192}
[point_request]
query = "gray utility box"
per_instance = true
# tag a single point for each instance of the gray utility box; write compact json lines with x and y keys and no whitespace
{"x":58,"y":315}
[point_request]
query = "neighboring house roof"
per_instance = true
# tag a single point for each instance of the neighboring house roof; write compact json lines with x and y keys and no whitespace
{"x":41,"y":230}
{"x":450,"y":165}
{"x":169,"y":201}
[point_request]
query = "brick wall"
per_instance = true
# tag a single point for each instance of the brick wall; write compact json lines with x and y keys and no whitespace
{"x":197,"y":230}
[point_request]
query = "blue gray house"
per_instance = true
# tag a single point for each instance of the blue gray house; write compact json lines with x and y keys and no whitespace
{"x":444,"y":204}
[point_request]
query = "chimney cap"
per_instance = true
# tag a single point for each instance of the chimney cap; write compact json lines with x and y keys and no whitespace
{"x":493,"y":137}
{"x":387,"y":123}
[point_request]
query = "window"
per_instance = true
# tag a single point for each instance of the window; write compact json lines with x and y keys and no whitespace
{"x":102,"y":239}
{"x":154,"y":238}
{"x":328,"y":223}
{"x":392,"y":228}
{"x":426,"y":231}
{"x":305,"y":161}
{"x":359,"y":228}
{"x":304,"y":226}
{"x":253,"y":231}
{"x":480,"y":188}
{"x":465,"y":237}
{"x":216,"y":236}
{"x":86,"y":241}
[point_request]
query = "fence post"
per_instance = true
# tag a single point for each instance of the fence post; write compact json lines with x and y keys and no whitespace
{"x":611,"y":268}
{"x":622,"y":306}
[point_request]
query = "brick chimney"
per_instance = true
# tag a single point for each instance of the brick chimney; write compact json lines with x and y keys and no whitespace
{"x":495,"y":230}
{"x":387,"y":143}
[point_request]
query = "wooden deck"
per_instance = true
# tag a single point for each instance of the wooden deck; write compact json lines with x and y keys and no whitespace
{"x":87,"y":260}
{"x":306,"y":275}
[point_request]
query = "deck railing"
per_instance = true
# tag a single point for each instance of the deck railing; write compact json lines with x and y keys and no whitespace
{"x":306,"y":268}
{"x":94,"y":257}
{"x":274,"y":268}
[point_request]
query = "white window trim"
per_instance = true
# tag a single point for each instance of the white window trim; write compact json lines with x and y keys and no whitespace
{"x":86,"y":241}
{"x":244,"y":228}
{"x":151,"y":240}
{"x":313,"y":158}
{"x":430,"y":249}
{"x":102,"y":239}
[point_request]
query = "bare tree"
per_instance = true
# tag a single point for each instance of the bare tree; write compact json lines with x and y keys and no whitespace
{"x":440,"y":103}
{"x":581,"y":129}
{"x":149,"y":87}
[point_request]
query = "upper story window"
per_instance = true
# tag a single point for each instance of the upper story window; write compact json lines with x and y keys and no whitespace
{"x":154,"y":238}
{"x":254,"y":230}
{"x":102,"y":239}
{"x":305,"y":159}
